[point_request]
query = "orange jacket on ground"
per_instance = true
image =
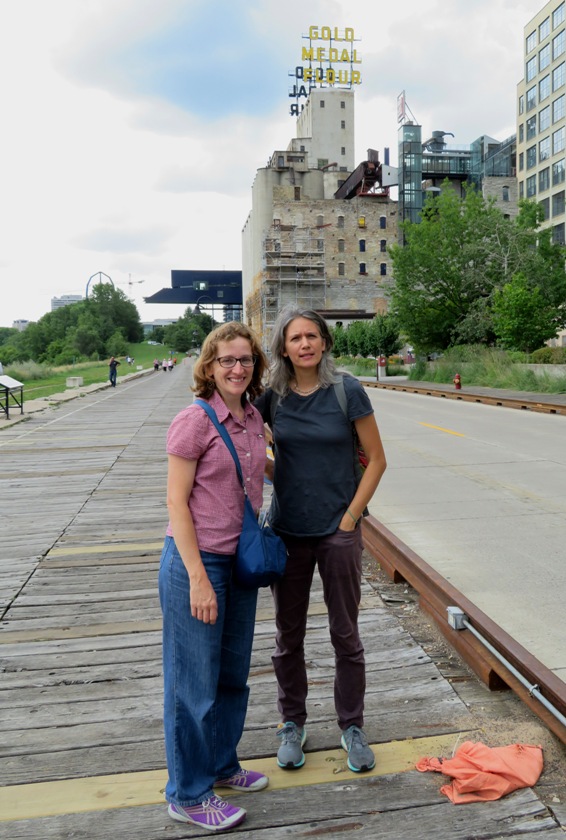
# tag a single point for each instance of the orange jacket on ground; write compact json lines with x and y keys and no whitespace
{"x":483,"y":773}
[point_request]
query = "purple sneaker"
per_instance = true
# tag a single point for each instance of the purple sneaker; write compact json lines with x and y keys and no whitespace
{"x":244,"y":780}
{"x":213,"y":814}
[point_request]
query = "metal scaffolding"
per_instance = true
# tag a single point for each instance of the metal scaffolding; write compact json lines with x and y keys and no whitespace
{"x":293,"y":271}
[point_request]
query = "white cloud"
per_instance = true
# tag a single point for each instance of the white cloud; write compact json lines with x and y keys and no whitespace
{"x":132,"y":131}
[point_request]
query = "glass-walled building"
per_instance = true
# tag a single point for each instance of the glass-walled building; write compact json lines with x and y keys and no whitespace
{"x":541,"y":116}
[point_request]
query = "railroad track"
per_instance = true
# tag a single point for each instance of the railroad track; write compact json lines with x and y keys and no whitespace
{"x":436,"y":594}
{"x":543,"y":405}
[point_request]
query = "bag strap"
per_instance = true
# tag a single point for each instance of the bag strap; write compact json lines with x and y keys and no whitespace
{"x":225,"y":437}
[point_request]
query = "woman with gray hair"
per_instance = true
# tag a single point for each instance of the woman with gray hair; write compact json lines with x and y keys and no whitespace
{"x":315,"y":414}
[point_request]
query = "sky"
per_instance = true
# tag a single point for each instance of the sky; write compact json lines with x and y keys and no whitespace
{"x":132,"y":129}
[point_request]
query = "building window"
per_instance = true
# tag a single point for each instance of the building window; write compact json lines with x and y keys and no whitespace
{"x":545,"y":205}
{"x":558,"y":234}
{"x":343,"y":150}
{"x":319,"y":221}
{"x":558,"y":45}
{"x":340,"y":221}
{"x":342,"y":123}
{"x":362,"y":244}
{"x":531,"y":186}
{"x":521,"y":161}
{"x":544,"y":119}
{"x":531,"y":68}
{"x":558,"y":76}
{"x":342,"y":104}
{"x":363,"y":268}
{"x":297,"y":193}
{"x":383,"y":269}
{"x":558,"y":204}
{"x":521,"y":132}
{"x":361,"y":221}
{"x":341,"y":269}
{"x":321,"y":163}
{"x":558,"y":108}
{"x":558,"y":140}
{"x":558,"y":172}
{"x":383,"y":222}
{"x":320,"y":244}
{"x":544,"y":58}
{"x":383,"y":246}
{"x":531,"y":127}
{"x":505,"y":193}
{"x":521,"y":189}
{"x":558,"y":16}
{"x":531,"y":157}
{"x":340,"y":244}
{"x":322,"y":103}
{"x":544,"y":89}
{"x":544,"y":149}
{"x":521,"y":104}
{"x":531,"y":42}
{"x":531,"y":98}
{"x":544,"y":30}
{"x":544,"y":179}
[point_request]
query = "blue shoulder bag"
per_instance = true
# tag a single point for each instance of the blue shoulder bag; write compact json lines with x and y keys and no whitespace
{"x":261,"y":555}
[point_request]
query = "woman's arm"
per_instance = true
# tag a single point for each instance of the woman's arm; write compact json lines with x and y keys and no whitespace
{"x":370,"y":439}
{"x":180,"y":479}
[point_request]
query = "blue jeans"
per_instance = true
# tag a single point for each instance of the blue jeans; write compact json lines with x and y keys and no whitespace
{"x":205,"y":670}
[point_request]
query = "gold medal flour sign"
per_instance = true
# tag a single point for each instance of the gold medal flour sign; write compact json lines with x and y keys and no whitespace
{"x":330,"y":60}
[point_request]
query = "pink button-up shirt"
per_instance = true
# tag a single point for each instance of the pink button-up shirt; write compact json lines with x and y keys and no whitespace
{"x":217,"y":499}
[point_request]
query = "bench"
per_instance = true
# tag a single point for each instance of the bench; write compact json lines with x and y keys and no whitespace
{"x":11,"y":389}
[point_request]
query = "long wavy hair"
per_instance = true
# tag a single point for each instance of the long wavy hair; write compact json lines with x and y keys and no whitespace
{"x":205,"y":385}
{"x":281,"y":368}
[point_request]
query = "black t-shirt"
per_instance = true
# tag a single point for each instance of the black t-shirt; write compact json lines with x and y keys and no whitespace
{"x":314,"y":479}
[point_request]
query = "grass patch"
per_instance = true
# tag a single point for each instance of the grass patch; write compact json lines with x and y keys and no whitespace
{"x":44,"y":380}
{"x":489,"y":368}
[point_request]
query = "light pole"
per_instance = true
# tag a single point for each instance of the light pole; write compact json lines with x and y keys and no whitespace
{"x":198,"y":308}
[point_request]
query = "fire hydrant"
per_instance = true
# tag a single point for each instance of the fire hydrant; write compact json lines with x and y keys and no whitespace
{"x":457,"y":382}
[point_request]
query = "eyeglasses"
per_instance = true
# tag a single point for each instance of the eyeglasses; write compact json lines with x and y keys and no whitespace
{"x":230,"y":361}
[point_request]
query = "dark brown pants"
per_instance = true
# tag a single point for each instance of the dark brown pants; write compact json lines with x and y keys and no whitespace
{"x":339,"y":559}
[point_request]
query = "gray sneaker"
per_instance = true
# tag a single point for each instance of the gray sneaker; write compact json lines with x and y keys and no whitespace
{"x":360,"y":756}
{"x":290,"y":755}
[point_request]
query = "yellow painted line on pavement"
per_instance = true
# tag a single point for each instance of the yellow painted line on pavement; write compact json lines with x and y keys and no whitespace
{"x":130,"y":790}
{"x":104,"y":549}
{"x":440,"y":429}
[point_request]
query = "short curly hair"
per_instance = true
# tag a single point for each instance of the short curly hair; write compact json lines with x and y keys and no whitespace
{"x":204,"y":383}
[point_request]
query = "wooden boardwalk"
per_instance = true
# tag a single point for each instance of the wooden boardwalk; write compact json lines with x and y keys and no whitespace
{"x":82,"y":504}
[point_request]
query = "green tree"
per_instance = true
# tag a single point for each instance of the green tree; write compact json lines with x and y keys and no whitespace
{"x":457,"y":257}
{"x":384,"y":335}
{"x":357,"y":335}
{"x":523,"y":321}
{"x":116,"y":345}
{"x":340,"y":347}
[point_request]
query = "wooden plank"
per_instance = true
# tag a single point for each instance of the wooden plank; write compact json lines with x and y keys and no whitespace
{"x":83,"y":795}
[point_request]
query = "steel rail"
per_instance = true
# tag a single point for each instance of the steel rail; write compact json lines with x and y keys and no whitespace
{"x":436,"y":594}
{"x":471,"y":396}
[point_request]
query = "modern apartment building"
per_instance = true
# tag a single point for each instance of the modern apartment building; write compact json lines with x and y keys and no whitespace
{"x":64,"y":300}
{"x":541,"y":116}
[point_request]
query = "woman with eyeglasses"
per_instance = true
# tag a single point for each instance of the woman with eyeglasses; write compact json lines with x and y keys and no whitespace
{"x":318,"y":501}
{"x":208,"y":621}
